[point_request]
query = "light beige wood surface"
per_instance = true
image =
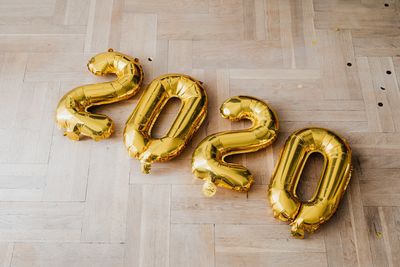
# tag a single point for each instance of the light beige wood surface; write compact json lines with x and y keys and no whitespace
{"x":322,"y":63}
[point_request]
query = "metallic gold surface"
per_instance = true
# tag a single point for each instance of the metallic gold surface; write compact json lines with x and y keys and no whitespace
{"x":308,"y":216}
{"x":193,"y":110}
{"x":208,"y":159}
{"x":72,"y":111}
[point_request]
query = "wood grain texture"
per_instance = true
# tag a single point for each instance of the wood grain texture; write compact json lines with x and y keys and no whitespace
{"x":328,"y":63}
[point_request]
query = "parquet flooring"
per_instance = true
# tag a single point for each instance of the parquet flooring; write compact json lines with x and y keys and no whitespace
{"x":328,"y":63}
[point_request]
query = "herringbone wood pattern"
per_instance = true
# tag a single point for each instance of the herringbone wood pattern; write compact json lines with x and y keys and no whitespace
{"x":329,"y":63}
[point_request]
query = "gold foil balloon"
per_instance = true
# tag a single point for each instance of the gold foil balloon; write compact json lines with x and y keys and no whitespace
{"x":193,"y":110}
{"x":72,"y":112}
{"x":208,"y":158}
{"x":333,"y":182}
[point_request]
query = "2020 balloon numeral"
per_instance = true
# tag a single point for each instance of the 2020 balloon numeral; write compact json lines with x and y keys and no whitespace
{"x":208,"y":162}
{"x":72,"y":111}
{"x":333,"y":182}
{"x":208,"y":158}
{"x":192,"y":112}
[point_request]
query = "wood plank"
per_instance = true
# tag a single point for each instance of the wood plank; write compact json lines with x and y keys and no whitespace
{"x":41,"y":221}
{"x":148,"y":226}
{"x":106,"y":204}
{"x":202,"y":242}
{"x":67,"y":254}
{"x":245,"y":245}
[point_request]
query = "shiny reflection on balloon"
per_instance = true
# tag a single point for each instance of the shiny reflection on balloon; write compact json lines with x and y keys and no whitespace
{"x":208,"y":159}
{"x":72,"y":113}
{"x":192,"y":112}
{"x":308,"y":216}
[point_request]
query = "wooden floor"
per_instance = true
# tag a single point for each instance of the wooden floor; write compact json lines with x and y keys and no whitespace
{"x":329,"y":63}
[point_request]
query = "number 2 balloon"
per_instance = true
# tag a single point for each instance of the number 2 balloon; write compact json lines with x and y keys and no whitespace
{"x":72,"y":113}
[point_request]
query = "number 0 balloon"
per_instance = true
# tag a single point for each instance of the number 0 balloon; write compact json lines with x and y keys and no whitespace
{"x":193,"y":110}
{"x":72,"y":112}
{"x":208,"y":158}
{"x":332,"y":185}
